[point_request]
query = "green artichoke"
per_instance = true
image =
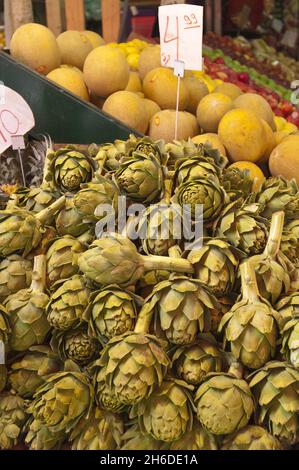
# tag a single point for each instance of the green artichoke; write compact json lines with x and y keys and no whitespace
{"x":62,"y":259}
{"x":36,"y":199}
{"x":63,"y":400}
{"x":279,"y":194}
{"x":15,"y":275}
{"x":69,"y":221}
{"x":224,"y":403}
{"x":28,"y":372}
{"x":178,"y":150}
{"x":290,"y":341}
{"x":114,"y":260}
{"x":243,"y":227}
{"x":205,"y":192}
{"x":251,"y":438}
{"x":180,"y":307}
{"x":100,"y":431}
{"x":251,"y":326}
{"x":68,"y":303}
{"x":146,"y":146}
{"x":237,"y":183}
{"x":26,"y":310}
{"x":68,"y":168}
{"x":93,"y":195}
{"x":216,"y":265}
{"x":195,"y":167}
{"x":168,"y":413}
{"x":40,"y":437}
{"x":75,"y":345}
{"x":289,"y":245}
{"x":5,"y":330}
{"x":105,"y":397}
{"x":135,"y":365}
{"x":287,"y":308}
{"x":111,"y":312}
{"x":109,"y":155}
{"x":196,"y":439}
{"x":21,"y":230}
{"x":13,"y":415}
{"x":149,"y":279}
{"x":276,"y":391}
{"x":140,"y":177}
{"x":271,"y":266}
{"x":192,"y":363}
{"x":134,"y":439}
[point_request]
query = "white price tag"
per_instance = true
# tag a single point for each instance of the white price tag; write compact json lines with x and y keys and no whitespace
{"x":181,"y":35}
{"x":16,"y":117}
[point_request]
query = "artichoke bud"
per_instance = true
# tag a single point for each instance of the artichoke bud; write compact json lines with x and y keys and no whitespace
{"x":168,"y":413}
{"x":5,"y":330}
{"x":196,"y":167}
{"x":26,"y":310}
{"x":15,"y":275}
{"x":224,"y":403}
{"x":251,"y":438}
{"x":134,"y":439}
{"x":198,"y":438}
{"x":111,"y":312}
{"x":105,"y":397}
{"x":109,"y":156}
{"x":251,"y":326}
{"x":237,"y":183}
{"x":36,"y":199}
{"x":75,"y":345}
{"x":290,"y":341}
{"x":69,"y":221}
{"x":40,"y":437}
{"x":13,"y":415}
{"x":147,"y":147}
{"x":276,"y":392}
{"x":279,"y":194}
{"x":92,"y":195}
{"x":68,"y":168}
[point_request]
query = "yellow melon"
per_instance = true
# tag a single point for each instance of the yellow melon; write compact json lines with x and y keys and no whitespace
{"x":211,"y":139}
{"x":71,"y":80}
{"x":95,"y":39}
{"x":162,"y":125}
{"x":197,"y":91}
{"x":284,"y":160}
{"x":211,"y":110}
{"x":255,"y":173}
{"x":229,"y":89}
{"x":128,"y":108}
{"x":149,"y":59}
{"x":134,"y":83}
{"x":74,"y":47}
{"x":151,"y":107}
{"x":258,"y":105}
{"x":160,"y":85}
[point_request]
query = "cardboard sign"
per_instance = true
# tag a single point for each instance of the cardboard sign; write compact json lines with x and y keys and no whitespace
{"x":181,"y":35}
{"x":16,"y":117}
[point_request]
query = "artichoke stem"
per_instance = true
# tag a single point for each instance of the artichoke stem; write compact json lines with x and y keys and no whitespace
{"x":236,"y":369}
{"x":153,"y":263}
{"x":45,"y":215}
{"x":275,"y":234}
{"x":143,"y":322}
{"x":168,"y":185}
{"x":250,"y":289}
{"x":39,"y":273}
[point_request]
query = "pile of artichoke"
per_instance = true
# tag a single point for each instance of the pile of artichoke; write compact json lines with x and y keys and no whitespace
{"x":168,"y":341}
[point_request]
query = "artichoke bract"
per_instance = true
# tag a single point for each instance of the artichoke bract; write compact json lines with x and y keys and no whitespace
{"x":140,"y":177}
{"x":63,"y":399}
{"x":109,"y":155}
{"x":68,"y":168}
{"x":75,"y":345}
{"x":215,"y":265}
{"x":288,"y":310}
{"x":205,"y":192}
{"x":180,"y":307}
{"x":27,"y":310}
{"x":68,"y":303}
{"x":271,"y":266}
{"x":100,"y":431}
{"x":251,"y":438}
{"x":135,"y":365}
{"x":62,"y":259}
{"x":114,"y":260}
{"x":279,"y":194}
{"x":21,"y":230}
{"x":198,"y":438}
{"x":224,"y":402}
{"x":111,"y":312}
{"x":237,"y":183}
{"x":40,"y":437}
{"x":36,"y":199}
{"x":28,"y":372}
{"x":134,"y":439}
{"x":15,"y":275}
{"x":251,"y":326}
{"x":276,"y":391}
{"x":243,"y":227}
{"x":192,"y":363}
{"x":105,"y":397}
{"x":69,"y":221}
{"x":13,"y":415}
{"x":198,"y":166}
{"x":181,"y":150}
{"x":168,"y":413}
{"x":4,"y":325}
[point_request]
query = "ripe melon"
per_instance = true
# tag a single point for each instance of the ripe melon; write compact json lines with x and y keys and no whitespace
{"x":128,"y":108}
{"x":229,"y":89}
{"x":255,"y":173}
{"x":280,"y":136}
{"x":72,"y":67}
{"x":106,"y":71}
{"x":211,"y":110}
{"x":160,"y":85}
{"x":284,"y":160}
{"x":71,"y":80}
{"x":243,"y":135}
{"x":134,"y":83}
{"x":162,"y":125}
{"x":258,"y":105}
{"x":74,"y":47}
{"x":35,"y":46}
{"x":270,"y":142}
{"x":197,"y":90}
{"x":151,"y":107}
{"x":95,"y":39}
{"x":149,"y":59}
{"x":211,"y":139}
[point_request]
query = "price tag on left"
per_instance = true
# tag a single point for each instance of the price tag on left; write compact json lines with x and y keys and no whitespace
{"x":16,"y":117}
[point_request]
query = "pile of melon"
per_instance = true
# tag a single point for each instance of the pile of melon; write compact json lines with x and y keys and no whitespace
{"x":242,"y":126}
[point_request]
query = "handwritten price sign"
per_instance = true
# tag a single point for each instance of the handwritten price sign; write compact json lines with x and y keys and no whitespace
{"x":181,"y":33}
{"x":16,"y":117}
